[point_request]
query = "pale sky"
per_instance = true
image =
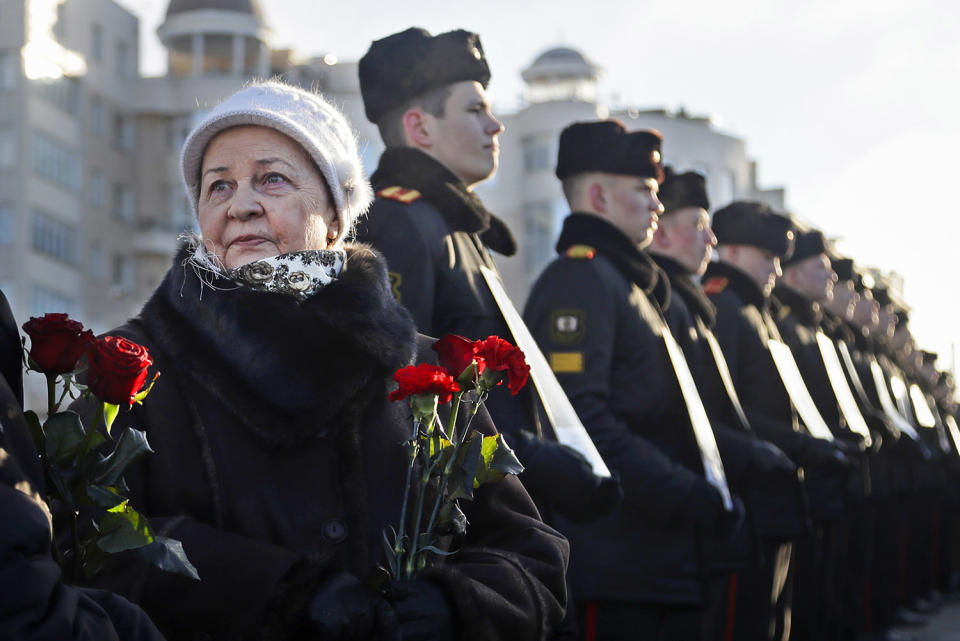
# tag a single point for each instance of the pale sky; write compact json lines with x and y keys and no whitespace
{"x":852,"y":105}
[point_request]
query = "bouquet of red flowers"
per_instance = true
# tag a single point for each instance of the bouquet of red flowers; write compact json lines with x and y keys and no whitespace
{"x":84,"y":469}
{"x":451,"y":462}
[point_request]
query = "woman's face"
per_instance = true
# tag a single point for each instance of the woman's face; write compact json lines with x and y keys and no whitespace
{"x":261,"y":195}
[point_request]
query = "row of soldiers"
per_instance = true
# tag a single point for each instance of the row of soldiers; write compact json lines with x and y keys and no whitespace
{"x":783,"y":457}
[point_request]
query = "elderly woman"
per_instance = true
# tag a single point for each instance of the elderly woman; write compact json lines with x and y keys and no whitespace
{"x":278,"y":457}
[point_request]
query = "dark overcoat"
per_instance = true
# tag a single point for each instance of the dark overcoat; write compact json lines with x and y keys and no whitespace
{"x":595,"y":312}
{"x":279,"y":461}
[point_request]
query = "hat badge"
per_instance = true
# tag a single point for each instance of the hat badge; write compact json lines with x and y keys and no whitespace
{"x":476,"y":53}
{"x":655,"y":156}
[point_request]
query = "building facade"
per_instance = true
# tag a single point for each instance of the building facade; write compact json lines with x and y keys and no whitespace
{"x":91,"y":200}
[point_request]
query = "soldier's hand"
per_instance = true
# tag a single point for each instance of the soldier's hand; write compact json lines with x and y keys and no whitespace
{"x":562,"y":478}
{"x":772,"y":464}
{"x":705,"y":505}
{"x":347,"y":609}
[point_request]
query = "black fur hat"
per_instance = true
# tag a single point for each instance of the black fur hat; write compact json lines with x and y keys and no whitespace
{"x":745,"y":222}
{"x":843,"y":267}
{"x":606,"y":146}
{"x":679,"y":191}
{"x":408,"y":64}
{"x":806,"y":243}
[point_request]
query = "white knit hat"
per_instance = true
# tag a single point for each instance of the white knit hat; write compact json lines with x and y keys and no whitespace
{"x":306,"y":117}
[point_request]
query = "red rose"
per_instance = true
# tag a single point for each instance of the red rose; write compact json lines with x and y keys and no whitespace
{"x":456,"y":353}
{"x":499,"y":355}
{"x":118,"y":369}
{"x":56,"y":342}
{"x":424,"y":379}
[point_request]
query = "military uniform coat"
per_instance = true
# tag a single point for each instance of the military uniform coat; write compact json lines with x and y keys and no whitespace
{"x":595,"y":313}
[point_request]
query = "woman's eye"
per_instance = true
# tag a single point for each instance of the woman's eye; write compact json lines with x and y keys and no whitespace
{"x":217,"y":187}
{"x":274,"y":179}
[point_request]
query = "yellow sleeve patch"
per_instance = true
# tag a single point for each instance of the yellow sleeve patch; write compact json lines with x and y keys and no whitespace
{"x":396,"y":279}
{"x":583,"y":252}
{"x":405,"y":196}
{"x":566,"y":362}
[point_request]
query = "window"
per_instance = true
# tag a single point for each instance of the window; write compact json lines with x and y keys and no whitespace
{"x":123,"y":132}
{"x":217,"y":53}
{"x":251,"y":56}
{"x":54,"y":238}
{"x":96,"y":42}
{"x":180,"y":56}
{"x":63,"y":93}
{"x":95,"y":262}
{"x":8,"y":146}
{"x":6,"y":224}
{"x":177,"y":132}
{"x":538,"y":154}
{"x":180,"y":211}
{"x":53,"y":160}
{"x":96,"y":189}
{"x":122,"y":272}
{"x":47,"y":300}
{"x":9,"y":69}
{"x":98,"y":116}
{"x":122,"y":60}
{"x":122,"y":202}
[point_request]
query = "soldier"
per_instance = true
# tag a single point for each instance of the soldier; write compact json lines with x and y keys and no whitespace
{"x":752,"y":239}
{"x":426,"y":94}
{"x":681,"y":248}
{"x":596,"y":313}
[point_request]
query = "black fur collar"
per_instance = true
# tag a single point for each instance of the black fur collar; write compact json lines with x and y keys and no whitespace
{"x":609,"y":241}
{"x":460,"y":207}
{"x":682,"y":283}
{"x":288,"y":370}
{"x":738,"y":282}
{"x":807,"y":311}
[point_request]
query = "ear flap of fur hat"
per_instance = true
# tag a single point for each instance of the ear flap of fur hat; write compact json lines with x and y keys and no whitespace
{"x":307,"y":118}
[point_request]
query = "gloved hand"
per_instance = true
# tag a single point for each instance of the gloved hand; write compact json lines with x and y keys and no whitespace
{"x":705,"y":505}
{"x":772,"y":465}
{"x":734,"y":520}
{"x":823,"y":455}
{"x":347,"y":609}
{"x":422,"y":611}
{"x":560,"y":477}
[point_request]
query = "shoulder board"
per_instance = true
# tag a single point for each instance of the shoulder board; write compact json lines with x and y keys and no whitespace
{"x":585,"y":252}
{"x":405,"y":196}
{"x":715,"y":285}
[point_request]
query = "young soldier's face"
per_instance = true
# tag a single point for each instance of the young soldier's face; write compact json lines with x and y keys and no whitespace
{"x":632,"y":205}
{"x":465,"y":138}
{"x":761,"y":265}
{"x":813,"y":277}
{"x":844,"y":300}
{"x":685,"y":236}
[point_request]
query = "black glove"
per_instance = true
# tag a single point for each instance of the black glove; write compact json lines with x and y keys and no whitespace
{"x":422,"y":611}
{"x":772,"y":465}
{"x":347,"y":609}
{"x":732,"y":521}
{"x":823,"y":455}
{"x":705,"y":505}
{"x":560,"y":477}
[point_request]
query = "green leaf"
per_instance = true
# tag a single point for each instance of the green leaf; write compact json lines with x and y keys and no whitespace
{"x":168,"y":555}
{"x":505,"y":460}
{"x":451,"y":520}
{"x":444,"y":445}
{"x":64,"y":436}
{"x":123,"y":528}
{"x":465,"y":470}
{"x":104,"y":496}
{"x":36,"y":430}
{"x":436,"y":550}
{"x":142,"y":394}
{"x":131,"y":446}
{"x":109,"y":415}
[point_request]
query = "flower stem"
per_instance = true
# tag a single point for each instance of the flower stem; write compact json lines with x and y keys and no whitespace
{"x":77,"y":550}
{"x":91,"y":430}
{"x":51,"y":394}
{"x":397,"y":545}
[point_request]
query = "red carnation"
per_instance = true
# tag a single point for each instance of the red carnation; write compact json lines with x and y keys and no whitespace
{"x":424,"y":379}
{"x":456,"y":354}
{"x":118,"y":369}
{"x":499,"y":355}
{"x":56,"y":342}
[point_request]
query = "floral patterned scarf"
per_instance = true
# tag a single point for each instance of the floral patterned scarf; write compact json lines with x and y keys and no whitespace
{"x":298,"y":274}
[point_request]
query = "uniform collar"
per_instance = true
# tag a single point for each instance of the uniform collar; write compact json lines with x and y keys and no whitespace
{"x":682,"y":283}
{"x":806,"y":310}
{"x":461,"y":208}
{"x":635,"y":265}
{"x":737,"y":281}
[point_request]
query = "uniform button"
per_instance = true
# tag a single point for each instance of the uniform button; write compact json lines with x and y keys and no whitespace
{"x":334,"y":530}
